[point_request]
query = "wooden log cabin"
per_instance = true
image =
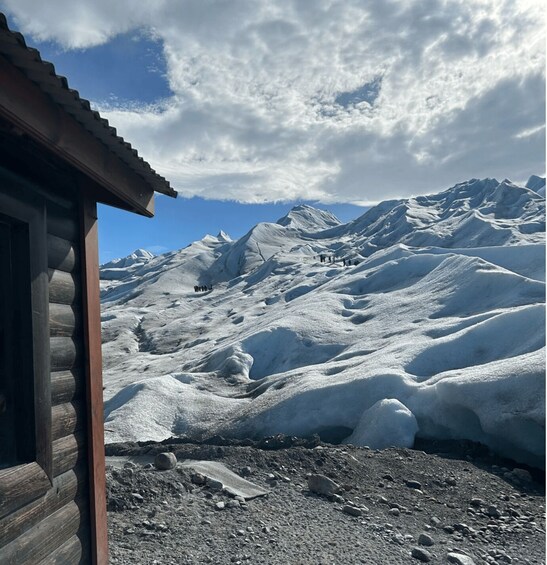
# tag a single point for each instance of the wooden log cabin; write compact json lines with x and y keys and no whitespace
{"x":58,"y":158}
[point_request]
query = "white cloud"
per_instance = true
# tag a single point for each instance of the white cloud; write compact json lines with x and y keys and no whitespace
{"x":254,"y":115}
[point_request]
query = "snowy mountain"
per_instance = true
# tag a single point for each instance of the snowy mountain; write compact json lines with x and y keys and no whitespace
{"x":423,"y":316}
{"x":307,"y":218}
{"x":121,"y":268}
{"x":537,"y":184}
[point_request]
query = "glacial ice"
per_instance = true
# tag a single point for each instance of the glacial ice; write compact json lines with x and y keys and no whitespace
{"x":437,"y":331}
{"x":387,"y":423}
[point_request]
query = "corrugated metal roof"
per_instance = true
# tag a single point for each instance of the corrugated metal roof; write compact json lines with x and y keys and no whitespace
{"x":28,"y":60}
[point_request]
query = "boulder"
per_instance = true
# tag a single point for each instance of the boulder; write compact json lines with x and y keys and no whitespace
{"x":319,"y":484}
{"x":165,"y":461}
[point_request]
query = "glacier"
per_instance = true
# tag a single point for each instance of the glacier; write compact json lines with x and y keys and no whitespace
{"x":426,"y":318}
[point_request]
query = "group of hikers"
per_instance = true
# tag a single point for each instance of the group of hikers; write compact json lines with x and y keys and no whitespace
{"x":202,"y":288}
{"x":334,"y":258}
{"x":322,"y":259}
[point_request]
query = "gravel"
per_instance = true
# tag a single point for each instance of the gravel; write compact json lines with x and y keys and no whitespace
{"x":468,"y":508}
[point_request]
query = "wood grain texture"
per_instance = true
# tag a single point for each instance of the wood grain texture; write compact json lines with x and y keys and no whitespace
{"x":63,"y":320}
{"x":68,"y":452}
{"x":43,"y":539}
{"x":71,"y":552}
{"x":62,"y":223}
{"x":64,"y":352}
{"x":94,"y":380}
{"x":20,"y":485}
{"x":63,"y":287}
{"x":65,"y":488}
{"x":60,"y":254}
{"x":66,"y":386}
{"x":66,"y":419}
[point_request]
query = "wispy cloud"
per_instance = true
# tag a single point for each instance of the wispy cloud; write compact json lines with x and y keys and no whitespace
{"x":336,"y":100}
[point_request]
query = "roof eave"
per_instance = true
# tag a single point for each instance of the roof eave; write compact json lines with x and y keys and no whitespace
{"x":28,"y":61}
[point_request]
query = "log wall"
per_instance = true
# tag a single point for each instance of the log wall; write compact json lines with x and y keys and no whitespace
{"x":55,"y":527}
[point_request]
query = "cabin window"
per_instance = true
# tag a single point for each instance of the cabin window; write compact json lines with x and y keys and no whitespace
{"x":17,"y":418}
{"x":25,"y":397}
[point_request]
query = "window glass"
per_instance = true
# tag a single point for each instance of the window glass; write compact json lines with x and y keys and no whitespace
{"x":17,"y":438}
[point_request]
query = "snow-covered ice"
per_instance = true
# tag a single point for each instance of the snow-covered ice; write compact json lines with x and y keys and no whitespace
{"x":435,"y":328}
{"x":387,"y":423}
{"x":120,"y":268}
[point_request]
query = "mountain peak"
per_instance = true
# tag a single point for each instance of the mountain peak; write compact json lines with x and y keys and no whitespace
{"x":308,"y":218}
{"x":138,"y":256}
{"x":142,"y":253}
{"x":120,"y":268}
{"x":223,"y":236}
{"x":537,"y":184}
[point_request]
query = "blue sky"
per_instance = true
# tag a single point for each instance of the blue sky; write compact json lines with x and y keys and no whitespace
{"x":179,"y":222}
{"x":129,"y":69}
{"x":258,"y":102}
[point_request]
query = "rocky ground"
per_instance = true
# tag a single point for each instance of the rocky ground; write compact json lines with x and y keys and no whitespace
{"x":456,"y":503}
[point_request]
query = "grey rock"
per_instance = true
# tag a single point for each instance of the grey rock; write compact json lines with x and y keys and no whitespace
{"x":394,"y":511}
{"x":421,"y":554}
{"x":435,"y":521}
{"x":214,"y":484}
{"x":246,"y":471}
{"x":165,"y":461}
{"x":319,"y":484}
{"x":352,"y":510}
{"x":460,"y":559}
{"x":425,"y":539}
{"x":477,"y":502}
{"x":220,"y":505}
{"x":198,"y":479}
{"x":414,"y":484}
{"x":493,"y":512}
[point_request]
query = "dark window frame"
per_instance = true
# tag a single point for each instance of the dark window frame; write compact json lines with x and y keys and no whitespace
{"x":19,"y":201}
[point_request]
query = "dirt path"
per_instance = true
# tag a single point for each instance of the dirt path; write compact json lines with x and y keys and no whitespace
{"x":394,"y":506}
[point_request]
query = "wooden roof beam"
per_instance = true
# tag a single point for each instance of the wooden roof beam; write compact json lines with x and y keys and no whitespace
{"x":35,"y":114}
